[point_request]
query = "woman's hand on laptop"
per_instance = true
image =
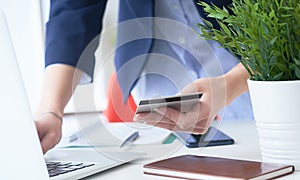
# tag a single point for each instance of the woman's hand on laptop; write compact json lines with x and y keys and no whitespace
{"x":60,"y":82}
{"x":49,"y":129}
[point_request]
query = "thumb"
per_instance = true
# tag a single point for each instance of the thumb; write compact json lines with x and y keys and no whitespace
{"x":190,"y":88}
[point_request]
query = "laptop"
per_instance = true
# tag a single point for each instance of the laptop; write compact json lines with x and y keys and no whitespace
{"x":21,"y":154}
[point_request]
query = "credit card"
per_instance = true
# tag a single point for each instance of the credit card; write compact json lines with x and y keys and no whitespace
{"x":182,"y":103}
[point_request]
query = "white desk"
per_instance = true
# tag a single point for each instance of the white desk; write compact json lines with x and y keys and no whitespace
{"x":246,"y":147}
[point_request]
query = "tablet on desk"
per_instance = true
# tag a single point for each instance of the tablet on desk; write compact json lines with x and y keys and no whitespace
{"x":182,"y":103}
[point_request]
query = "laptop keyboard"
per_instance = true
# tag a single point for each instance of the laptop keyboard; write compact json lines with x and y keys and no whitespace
{"x":57,"y":168}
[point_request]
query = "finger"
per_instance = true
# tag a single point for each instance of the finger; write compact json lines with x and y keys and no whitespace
{"x":169,"y":126}
{"x":179,"y":118}
{"x":199,"y":131}
{"x":154,"y":117}
{"x":201,"y":127}
{"x":144,"y":117}
{"x":140,"y":117}
{"x":169,"y":113}
{"x":183,"y":120}
{"x":190,"y":118}
{"x":49,"y":141}
{"x":162,"y":120}
{"x":195,"y":131}
{"x":190,"y":88}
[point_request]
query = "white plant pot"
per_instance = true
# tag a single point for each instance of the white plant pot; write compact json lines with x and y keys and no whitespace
{"x":276,"y":107}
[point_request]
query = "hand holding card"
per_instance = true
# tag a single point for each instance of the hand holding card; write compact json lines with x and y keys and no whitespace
{"x":177,"y":113}
{"x":196,"y":120}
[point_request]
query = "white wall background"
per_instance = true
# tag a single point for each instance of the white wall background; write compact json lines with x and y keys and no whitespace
{"x":26,"y":21}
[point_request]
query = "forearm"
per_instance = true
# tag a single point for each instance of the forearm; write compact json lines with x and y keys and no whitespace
{"x":59,"y":83}
{"x":236,"y":82}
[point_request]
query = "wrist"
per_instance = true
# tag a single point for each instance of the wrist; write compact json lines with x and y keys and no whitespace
{"x":56,"y":110}
{"x":55,"y":113}
{"x":236,"y":82}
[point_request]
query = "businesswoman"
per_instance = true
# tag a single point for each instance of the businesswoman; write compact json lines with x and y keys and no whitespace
{"x":157,"y":53}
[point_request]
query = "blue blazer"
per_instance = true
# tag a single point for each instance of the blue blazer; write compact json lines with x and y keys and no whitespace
{"x":74,"y":24}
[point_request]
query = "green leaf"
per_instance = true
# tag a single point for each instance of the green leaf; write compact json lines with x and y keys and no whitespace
{"x":272,"y":60}
{"x":277,"y":77}
{"x":297,"y":61}
{"x":225,"y":28}
{"x":281,"y":67}
{"x":273,"y":41}
{"x":208,"y":23}
{"x":272,"y":14}
{"x":297,"y":72}
{"x":216,"y":15}
{"x":255,"y":7}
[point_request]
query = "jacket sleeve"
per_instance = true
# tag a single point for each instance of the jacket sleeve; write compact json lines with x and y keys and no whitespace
{"x":72,"y":33}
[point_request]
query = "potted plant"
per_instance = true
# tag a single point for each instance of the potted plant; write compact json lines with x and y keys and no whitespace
{"x":265,"y":34}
